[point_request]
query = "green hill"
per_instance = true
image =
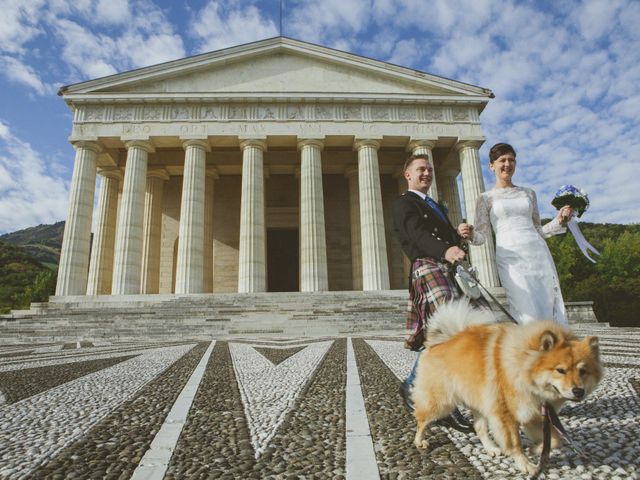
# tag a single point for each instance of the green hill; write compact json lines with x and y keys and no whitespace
{"x":42,"y":242}
{"x":23,"y":279}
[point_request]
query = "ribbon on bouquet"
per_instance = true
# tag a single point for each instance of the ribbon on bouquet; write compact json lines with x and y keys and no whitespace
{"x":583,"y":245}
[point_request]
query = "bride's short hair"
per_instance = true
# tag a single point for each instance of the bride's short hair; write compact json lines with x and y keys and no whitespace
{"x":500,"y":149}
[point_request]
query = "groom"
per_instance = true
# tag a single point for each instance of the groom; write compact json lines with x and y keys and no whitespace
{"x":430,"y":241}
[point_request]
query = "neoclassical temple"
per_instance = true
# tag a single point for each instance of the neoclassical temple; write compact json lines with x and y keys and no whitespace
{"x":269,"y":166}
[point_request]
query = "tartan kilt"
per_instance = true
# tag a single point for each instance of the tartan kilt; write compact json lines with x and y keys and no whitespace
{"x":426,"y":292}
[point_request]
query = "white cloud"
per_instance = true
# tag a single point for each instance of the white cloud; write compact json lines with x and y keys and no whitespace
{"x":406,"y":53}
{"x":113,"y":11}
{"x":147,"y":39}
{"x":331,"y":22}
{"x":29,"y":193}
{"x":16,"y":71}
{"x":19,"y":24}
{"x":221,"y":24}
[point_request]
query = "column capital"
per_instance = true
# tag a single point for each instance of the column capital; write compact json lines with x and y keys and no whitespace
{"x":110,"y":172}
{"x":469,"y":143}
{"x":158,"y":173}
{"x":360,"y":143}
{"x":421,"y":142}
{"x":260,"y":143}
{"x":312,"y":142}
{"x":398,"y":173}
{"x":351,"y":171}
{"x":92,"y":145}
{"x":146,"y":145}
{"x":212,"y":172}
{"x":451,"y":172}
{"x":196,"y":142}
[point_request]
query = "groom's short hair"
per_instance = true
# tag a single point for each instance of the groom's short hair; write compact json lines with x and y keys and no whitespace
{"x":500,"y":149}
{"x":421,"y":156}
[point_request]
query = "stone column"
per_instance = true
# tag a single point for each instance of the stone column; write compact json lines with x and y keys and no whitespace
{"x":207,"y":254}
{"x":252,"y":267}
{"x":189,"y":270}
{"x":354,"y":212}
{"x":152,"y":231}
{"x":313,"y":242}
{"x":447,"y":180}
{"x":402,"y":187}
{"x":425,"y":147}
{"x":375,"y":269}
{"x":74,"y":255}
{"x":483,"y":256}
{"x":101,"y":265}
{"x":128,"y":251}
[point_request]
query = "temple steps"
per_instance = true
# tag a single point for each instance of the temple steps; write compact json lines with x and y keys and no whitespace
{"x":206,"y":315}
{"x":203,"y":316}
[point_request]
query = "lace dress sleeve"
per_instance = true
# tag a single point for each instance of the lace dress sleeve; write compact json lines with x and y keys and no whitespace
{"x":482,"y":222}
{"x":551,"y":228}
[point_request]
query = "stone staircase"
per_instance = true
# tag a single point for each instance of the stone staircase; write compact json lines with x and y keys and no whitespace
{"x":207,"y":315}
{"x":203,"y":316}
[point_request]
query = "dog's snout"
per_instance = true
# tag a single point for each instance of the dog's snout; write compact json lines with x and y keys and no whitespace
{"x":577,"y":392}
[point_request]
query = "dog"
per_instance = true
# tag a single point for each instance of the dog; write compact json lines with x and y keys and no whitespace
{"x":504,"y":373}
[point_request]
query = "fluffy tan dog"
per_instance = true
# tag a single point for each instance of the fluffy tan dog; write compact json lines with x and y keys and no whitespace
{"x":503,"y":373}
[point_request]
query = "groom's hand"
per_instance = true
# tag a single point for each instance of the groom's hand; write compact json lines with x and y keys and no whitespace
{"x":465,"y":230}
{"x":454,"y":254}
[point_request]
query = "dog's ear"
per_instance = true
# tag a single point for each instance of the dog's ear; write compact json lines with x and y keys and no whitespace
{"x":594,"y":344}
{"x":547,"y":341}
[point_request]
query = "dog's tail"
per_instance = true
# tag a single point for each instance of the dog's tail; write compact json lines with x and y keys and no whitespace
{"x":452,"y":317}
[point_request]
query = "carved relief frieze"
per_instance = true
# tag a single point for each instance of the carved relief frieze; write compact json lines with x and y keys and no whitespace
{"x":275,"y":112}
{"x":433,"y":114}
{"x":267,"y":112}
{"x":407,"y":113}
{"x":123,"y":114}
{"x":460,"y":114}
{"x":94,"y":114}
{"x":380,"y":112}
{"x":295,"y":112}
{"x":178,"y":112}
{"x":325,"y":112}
{"x":237,"y":112}
{"x":352,"y":112}
{"x":211,"y":112}
{"x":152,"y":113}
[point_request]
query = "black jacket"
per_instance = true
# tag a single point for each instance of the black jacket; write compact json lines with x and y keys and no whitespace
{"x":420,"y":230}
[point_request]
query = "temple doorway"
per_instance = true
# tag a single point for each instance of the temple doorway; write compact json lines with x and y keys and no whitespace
{"x":283,"y":262}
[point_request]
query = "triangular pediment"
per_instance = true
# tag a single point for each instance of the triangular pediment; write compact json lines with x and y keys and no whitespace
{"x":281,"y":67}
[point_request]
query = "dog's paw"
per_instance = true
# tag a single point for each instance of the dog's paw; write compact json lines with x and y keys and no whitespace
{"x":493,"y":450}
{"x":422,"y":444}
{"x":528,"y":467}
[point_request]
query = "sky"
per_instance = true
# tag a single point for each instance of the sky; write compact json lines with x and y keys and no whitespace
{"x":565,"y":74}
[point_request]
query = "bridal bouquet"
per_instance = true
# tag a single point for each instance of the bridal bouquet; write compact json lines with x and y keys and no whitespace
{"x":579,"y":201}
{"x":572,"y":196}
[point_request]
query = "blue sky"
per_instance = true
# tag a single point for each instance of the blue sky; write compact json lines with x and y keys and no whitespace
{"x":566,"y":75}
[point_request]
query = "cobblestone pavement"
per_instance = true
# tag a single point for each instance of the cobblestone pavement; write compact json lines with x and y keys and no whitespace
{"x":272,"y":408}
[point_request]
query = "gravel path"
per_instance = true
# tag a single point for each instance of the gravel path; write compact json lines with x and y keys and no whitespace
{"x":20,"y":384}
{"x":393,"y":428}
{"x":114,"y":446}
{"x":37,"y":428}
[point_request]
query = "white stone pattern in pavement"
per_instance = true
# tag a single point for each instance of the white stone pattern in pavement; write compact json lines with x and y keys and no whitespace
{"x":269,"y":391}
{"x":71,"y":356}
{"x":156,"y":459}
{"x":37,"y":428}
{"x":604,"y":426}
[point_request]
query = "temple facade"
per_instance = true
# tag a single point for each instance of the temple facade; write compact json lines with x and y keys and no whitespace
{"x":269,"y":166}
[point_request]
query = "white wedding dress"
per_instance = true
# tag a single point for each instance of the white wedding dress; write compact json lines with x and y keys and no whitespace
{"x":525,"y":265}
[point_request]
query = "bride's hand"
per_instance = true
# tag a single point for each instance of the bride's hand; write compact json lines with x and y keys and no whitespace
{"x":565,"y":214}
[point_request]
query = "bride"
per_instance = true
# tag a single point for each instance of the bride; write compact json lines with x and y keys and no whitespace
{"x":525,"y":265}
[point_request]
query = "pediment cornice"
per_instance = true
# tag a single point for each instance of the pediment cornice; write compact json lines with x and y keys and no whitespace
{"x":335,"y":76}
